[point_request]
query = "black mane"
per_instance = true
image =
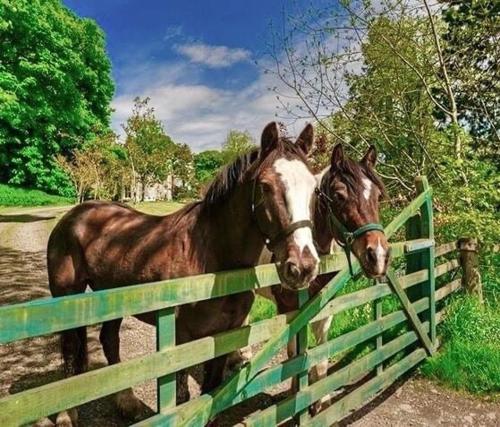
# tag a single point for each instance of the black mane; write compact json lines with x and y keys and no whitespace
{"x":351,"y":174}
{"x":234,"y":173}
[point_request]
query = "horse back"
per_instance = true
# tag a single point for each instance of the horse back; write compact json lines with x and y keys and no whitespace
{"x":112,"y":245}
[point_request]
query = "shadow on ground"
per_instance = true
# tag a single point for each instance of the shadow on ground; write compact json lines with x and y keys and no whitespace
{"x":37,"y":361}
{"x":23,"y":218}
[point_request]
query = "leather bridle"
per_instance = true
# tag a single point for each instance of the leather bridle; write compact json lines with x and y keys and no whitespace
{"x":272,"y":241}
{"x":348,"y":237}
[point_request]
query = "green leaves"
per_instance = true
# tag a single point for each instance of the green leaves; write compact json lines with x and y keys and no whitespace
{"x":55,"y":89}
{"x":236,"y":144}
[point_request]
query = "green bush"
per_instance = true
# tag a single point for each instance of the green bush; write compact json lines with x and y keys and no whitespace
{"x":17,"y":196}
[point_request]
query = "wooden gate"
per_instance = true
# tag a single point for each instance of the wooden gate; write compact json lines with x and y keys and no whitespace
{"x":386,"y":363}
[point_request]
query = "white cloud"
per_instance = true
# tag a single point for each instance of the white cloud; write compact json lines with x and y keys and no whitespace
{"x":196,"y":113}
{"x":213,"y":56}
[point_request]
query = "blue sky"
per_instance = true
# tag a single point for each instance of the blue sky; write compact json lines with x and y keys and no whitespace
{"x":195,"y":59}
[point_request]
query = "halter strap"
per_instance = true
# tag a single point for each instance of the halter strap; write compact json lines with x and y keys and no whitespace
{"x":272,"y":241}
{"x":348,"y":236}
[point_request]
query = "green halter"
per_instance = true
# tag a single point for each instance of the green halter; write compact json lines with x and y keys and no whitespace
{"x":348,"y":236}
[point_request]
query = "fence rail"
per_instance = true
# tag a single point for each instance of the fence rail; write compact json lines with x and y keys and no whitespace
{"x":52,"y":315}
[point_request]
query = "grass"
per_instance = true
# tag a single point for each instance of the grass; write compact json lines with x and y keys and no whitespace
{"x":158,"y":208}
{"x":16,"y":196}
{"x":469,"y":359}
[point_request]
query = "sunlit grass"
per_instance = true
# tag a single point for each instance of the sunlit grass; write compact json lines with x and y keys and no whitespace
{"x":158,"y":208}
{"x":470,"y":357}
{"x":17,"y":196}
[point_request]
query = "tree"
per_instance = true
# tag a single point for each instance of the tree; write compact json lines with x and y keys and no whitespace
{"x":236,"y":144}
{"x":55,"y":89}
{"x":182,"y":171}
{"x":387,"y":104}
{"x":150,"y":149}
{"x":472,"y":52}
{"x":100,"y":169}
{"x":324,"y":49}
{"x":388,"y":73}
{"x":206,"y":165}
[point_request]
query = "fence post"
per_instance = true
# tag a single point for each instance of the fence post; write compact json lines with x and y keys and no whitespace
{"x":422,"y":226}
{"x":165,"y":337}
{"x":301,"y":341}
{"x":469,"y":260}
{"x":379,"y":341}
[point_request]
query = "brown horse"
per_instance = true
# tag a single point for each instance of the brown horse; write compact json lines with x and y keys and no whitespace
{"x":263,"y":198}
{"x":350,"y":191}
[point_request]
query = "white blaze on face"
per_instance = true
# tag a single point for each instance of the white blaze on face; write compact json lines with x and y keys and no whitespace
{"x":380,"y":254}
{"x":367,"y":188}
{"x":299,"y":186}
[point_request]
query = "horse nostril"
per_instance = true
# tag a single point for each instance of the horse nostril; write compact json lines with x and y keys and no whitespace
{"x":371,"y":256}
{"x":292,"y":271}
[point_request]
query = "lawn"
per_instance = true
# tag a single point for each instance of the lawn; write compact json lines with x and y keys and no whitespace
{"x":158,"y":208}
{"x":16,"y":196}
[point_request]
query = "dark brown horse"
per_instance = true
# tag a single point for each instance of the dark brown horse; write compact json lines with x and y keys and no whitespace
{"x":351,"y":192}
{"x":262,"y":198}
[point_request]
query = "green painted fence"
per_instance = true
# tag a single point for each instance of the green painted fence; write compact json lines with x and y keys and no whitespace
{"x":415,"y":292}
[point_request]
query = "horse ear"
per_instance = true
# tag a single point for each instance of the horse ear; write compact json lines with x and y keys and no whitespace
{"x":370,"y":158}
{"x":337,"y":156}
{"x":306,"y":139}
{"x":270,"y":137}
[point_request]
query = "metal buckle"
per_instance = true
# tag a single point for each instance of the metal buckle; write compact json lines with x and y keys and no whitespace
{"x":349,"y":238}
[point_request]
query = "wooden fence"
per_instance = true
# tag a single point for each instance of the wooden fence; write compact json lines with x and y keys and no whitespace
{"x":390,"y":358}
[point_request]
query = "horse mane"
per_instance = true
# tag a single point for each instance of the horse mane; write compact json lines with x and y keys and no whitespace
{"x":233,"y":174}
{"x":351,"y":173}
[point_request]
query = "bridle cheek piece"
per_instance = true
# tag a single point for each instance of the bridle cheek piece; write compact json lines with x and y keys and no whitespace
{"x":348,"y":237}
{"x":272,"y":241}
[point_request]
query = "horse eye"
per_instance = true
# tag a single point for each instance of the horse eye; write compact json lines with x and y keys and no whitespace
{"x":266,"y":187}
{"x":340,"y":196}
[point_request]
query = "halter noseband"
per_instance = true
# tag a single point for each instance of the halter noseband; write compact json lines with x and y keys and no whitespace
{"x":272,"y":241}
{"x":348,"y":236}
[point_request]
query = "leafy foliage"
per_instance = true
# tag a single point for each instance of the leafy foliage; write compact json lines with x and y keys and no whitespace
{"x":55,"y":89}
{"x":100,"y":169}
{"x":472,"y":52}
{"x":183,"y":172}
{"x":236,"y":144}
{"x":15,"y":196}
{"x":150,"y":148}
{"x":206,"y":165}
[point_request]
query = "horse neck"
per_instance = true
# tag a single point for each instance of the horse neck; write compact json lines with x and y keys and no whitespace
{"x":233,"y":230}
{"x":322,"y":232}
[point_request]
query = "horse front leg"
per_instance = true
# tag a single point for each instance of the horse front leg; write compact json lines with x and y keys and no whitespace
{"x":291,"y":350}
{"x":213,"y":373}
{"x":75,"y":357}
{"x":128,"y":404}
{"x":239,"y":357}
{"x":320,"y":371}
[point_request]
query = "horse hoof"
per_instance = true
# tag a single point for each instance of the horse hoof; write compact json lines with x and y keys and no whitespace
{"x":67,"y":418}
{"x":238,"y":358}
{"x":315,"y":408}
{"x":44,"y":422}
{"x":128,"y":404}
{"x":319,"y":405}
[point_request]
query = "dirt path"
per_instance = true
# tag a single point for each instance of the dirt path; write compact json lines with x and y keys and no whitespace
{"x":29,"y":363}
